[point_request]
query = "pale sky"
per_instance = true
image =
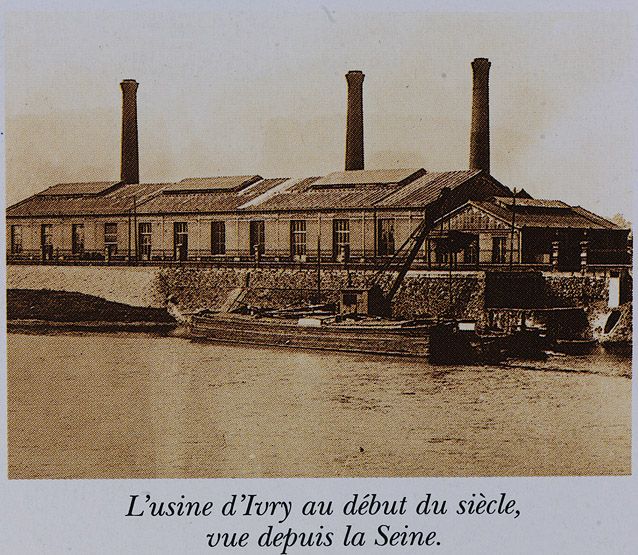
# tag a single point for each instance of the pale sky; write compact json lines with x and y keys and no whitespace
{"x":258,"y":91}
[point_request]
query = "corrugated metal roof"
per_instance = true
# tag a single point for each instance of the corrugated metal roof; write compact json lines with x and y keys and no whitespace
{"x":203,"y":184}
{"x":426,"y":189}
{"x":532,"y":202}
{"x":564,"y":217}
{"x":596,"y":218}
{"x":212,"y":201}
{"x":304,"y":196}
{"x":281,"y":188}
{"x":268,"y":195}
{"x":368,"y":177}
{"x":84,"y":188}
{"x":118,"y":201}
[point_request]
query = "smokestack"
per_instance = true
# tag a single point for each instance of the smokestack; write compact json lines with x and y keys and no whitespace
{"x":354,"y":121}
{"x":130,"y":172}
{"x":480,"y":131}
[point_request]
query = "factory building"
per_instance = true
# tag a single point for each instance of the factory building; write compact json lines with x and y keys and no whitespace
{"x":355,"y":216}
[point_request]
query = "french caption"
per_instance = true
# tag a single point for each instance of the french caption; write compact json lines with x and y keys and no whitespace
{"x":333,"y":524}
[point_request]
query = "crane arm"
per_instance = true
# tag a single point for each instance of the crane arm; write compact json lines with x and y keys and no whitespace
{"x":403,"y":258}
{"x":412,"y":245}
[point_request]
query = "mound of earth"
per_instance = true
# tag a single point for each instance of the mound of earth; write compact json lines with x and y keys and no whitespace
{"x":65,"y":306}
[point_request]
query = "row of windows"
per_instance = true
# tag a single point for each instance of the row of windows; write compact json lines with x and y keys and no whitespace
{"x":257,"y":233}
{"x":298,"y":240}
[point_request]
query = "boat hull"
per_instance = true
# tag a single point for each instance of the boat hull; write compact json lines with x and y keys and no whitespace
{"x":439,"y":343}
{"x":397,"y":341}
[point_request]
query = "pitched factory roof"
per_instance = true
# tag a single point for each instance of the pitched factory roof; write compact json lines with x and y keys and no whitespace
{"x":564,"y":216}
{"x":205,"y":184}
{"x":211,"y":201}
{"x":368,"y":177}
{"x":116,"y":201}
{"x":532,"y":202}
{"x":282,"y":187}
{"x":402,"y":188}
{"x":416,"y":190}
{"x":426,"y":188}
{"x":603,"y":222}
{"x":88,"y":188}
{"x":303,"y":196}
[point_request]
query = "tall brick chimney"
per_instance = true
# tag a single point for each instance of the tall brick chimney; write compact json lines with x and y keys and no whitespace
{"x":480,"y":131}
{"x":130,"y":172}
{"x":354,"y":121}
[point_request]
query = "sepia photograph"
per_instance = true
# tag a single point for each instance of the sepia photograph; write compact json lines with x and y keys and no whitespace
{"x":318,"y":243}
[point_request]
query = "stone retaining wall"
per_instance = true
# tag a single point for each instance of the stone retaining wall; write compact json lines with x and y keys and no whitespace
{"x":459,"y":294}
{"x":590,"y":292}
{"x":424,"y":293}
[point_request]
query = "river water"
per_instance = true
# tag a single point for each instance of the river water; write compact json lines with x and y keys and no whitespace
{"x":136,"y":405}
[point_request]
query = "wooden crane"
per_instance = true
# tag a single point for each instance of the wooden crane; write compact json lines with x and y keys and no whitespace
{"x":378,"y":302}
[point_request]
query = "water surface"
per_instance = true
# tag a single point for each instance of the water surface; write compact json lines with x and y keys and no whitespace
{"x":124,"y":406}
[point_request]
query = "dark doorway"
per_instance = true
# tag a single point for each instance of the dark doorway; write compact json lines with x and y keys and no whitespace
{"x":341,"y":240}
{"x":144,"y":241}
{"x":46,"y":241}
{"x":385,"y":237}
{"x":257,"y":237}
{"x":180,"y":240}
{"x":77,"y":239}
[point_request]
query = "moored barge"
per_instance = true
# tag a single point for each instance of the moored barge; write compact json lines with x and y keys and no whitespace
{"x":398,"y":338}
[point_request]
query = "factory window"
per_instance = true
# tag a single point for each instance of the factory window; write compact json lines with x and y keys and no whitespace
{"x":385,"y":237}
{"x":470,"y":252}
{"x":180,"y":240}
{"x":341,"y":240}
{"x":298,"y":238}
{"x":144,"y":240}
{"x":110,"y":239}
{"x":46,"y":241}
{"x":16,"y":239}
{"x":218,"y":237}
{"x":499,"y":250}
{"x":257,"y":237}
{"x":77,"y":238}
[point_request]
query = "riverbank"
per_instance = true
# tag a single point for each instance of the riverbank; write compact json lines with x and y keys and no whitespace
{"x":44,"y":310}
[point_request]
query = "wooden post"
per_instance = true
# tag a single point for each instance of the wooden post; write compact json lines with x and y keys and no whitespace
{"x":363,"y":236}
{"x":555,"y":253}
{"x":375,"y":235}
{"x":237,"y":241}
{"x":163,"y":240}
{"x":135,"y":226}
{"x":584,"y":245}
{"x":513,"y":226}
{"x":319,"y":268}
{"x":198,"y":254}
{"x":278,"y":251}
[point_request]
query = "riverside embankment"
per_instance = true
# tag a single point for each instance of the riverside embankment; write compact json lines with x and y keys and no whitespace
{"x":470,"y":295}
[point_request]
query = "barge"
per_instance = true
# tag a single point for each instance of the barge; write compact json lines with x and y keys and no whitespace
{"x":438,"y":341}
{"x":398,"y":338}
